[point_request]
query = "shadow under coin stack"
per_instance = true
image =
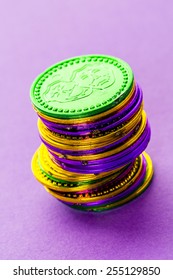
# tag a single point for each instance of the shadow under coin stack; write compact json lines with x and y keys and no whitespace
{"x":94,"y":132}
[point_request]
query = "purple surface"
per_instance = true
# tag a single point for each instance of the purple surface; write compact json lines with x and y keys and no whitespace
{"x":37,"y":34}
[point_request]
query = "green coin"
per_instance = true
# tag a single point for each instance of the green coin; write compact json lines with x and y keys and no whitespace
{"x":82,"y":86}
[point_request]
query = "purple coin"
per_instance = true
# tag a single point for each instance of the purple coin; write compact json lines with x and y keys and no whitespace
{"x":90,"y":151}
{"x":114,"y":181}
{"x":104,"y":160}
{"x":119,"y":196}
{"x":115,"y":161}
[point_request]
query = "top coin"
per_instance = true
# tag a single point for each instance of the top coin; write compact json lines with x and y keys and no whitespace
{"x":82,"y":86}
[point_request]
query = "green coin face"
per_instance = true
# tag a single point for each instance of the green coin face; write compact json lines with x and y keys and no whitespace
{"x":82,"y":86}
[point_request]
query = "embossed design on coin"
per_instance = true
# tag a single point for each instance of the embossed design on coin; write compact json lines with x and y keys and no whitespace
{"x":82,"y":86}
{"x":83,"y":82}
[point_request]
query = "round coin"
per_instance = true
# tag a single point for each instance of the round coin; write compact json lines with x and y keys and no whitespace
{"x":82,"y":86}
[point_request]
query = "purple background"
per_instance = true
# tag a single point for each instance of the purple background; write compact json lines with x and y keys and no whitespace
{"x":36,"y":34}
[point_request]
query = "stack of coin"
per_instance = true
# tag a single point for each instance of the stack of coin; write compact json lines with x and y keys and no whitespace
{"x":94,"y":132}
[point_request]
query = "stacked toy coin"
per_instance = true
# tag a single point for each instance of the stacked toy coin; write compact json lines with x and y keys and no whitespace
{"x":94,"y":132}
